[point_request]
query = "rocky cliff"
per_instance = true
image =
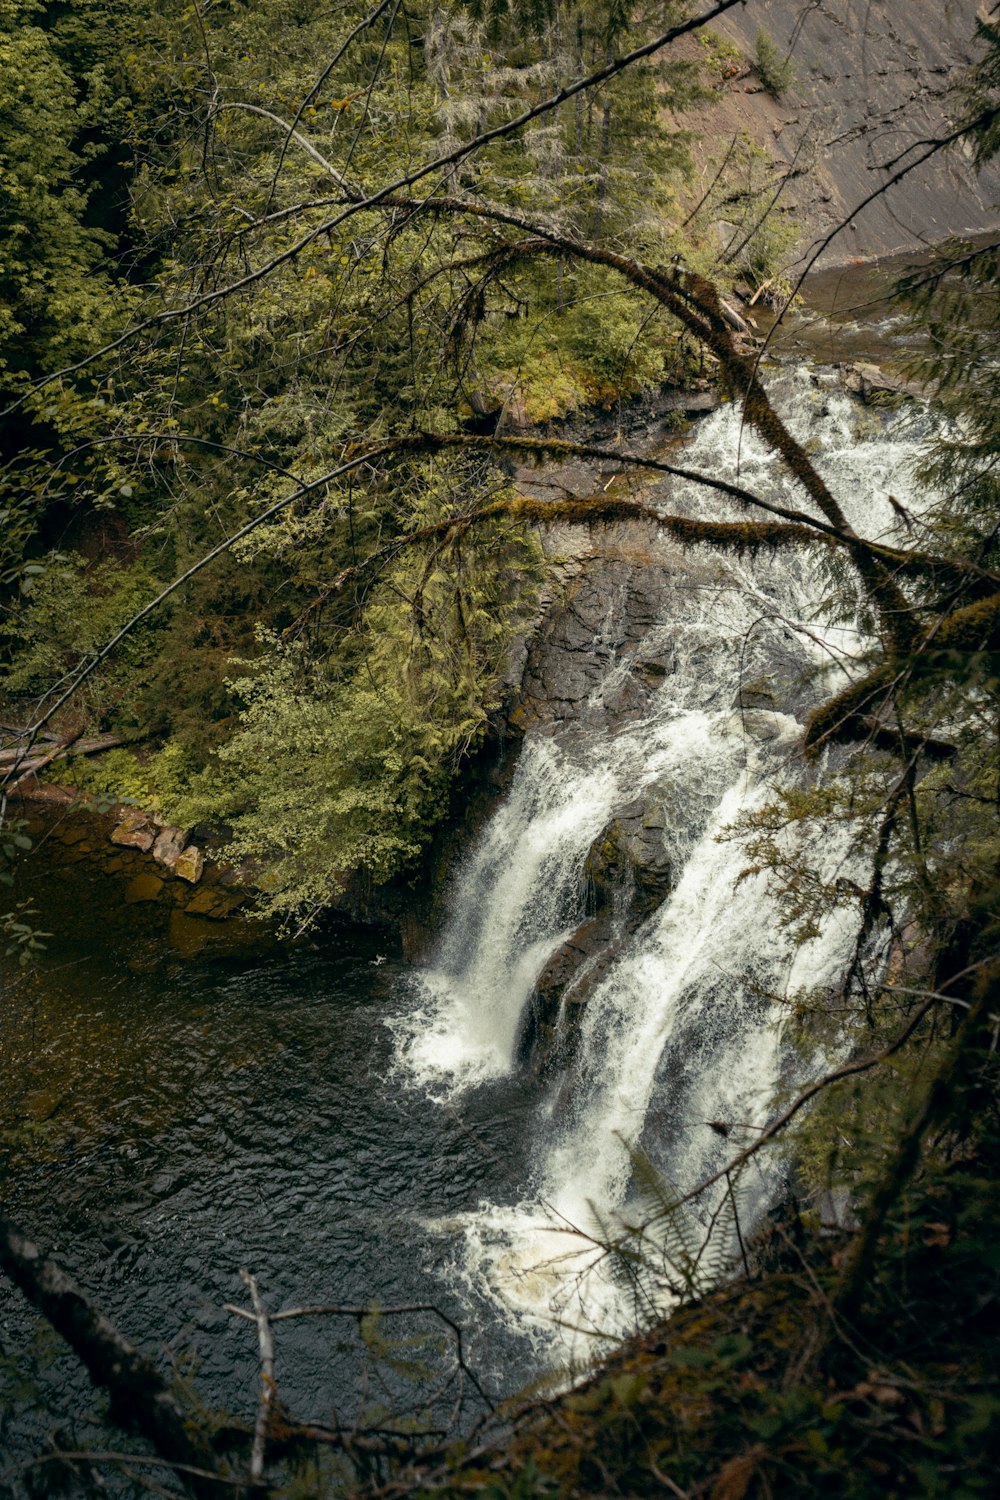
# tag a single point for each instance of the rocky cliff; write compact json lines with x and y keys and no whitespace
{"x":872,"y":82}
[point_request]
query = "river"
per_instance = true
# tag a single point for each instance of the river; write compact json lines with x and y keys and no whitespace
{"x":353,"y":1131}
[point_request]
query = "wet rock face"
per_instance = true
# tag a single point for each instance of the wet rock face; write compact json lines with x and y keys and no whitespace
{"x":877,"y":387}
{"x":134,"y":830}
{"x":628,"y":868}
{"x":606,"y":613}
{"x":596,"y":662}
{"x":628,"y":875}
{"x":545,"y":1038}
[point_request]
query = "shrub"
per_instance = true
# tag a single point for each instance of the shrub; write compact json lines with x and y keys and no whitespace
{"x":776,"y":72}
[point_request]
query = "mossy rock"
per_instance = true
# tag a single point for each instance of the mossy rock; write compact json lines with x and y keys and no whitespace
{"x":628,"y":869}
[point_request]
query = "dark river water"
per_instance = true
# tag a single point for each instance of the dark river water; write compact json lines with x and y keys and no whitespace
{"x":167,"y":1120}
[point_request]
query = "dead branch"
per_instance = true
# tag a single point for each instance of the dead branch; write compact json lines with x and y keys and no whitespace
{"x":267,"y":1386}
{"x":341,"y":1310}
{"x":95,"y":746}
{"x":868,"y":556}
{"x":848,"y":1070}
{"x":22,"y":767}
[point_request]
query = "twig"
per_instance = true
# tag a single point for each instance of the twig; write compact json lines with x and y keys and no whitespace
{"x":849,"y":1070}
{"x":340,"y":1310}
{"x":736,"y":1221}
{"x":101,"y":1456}
{"x":667,"y":1482}
{"x":267,"y":1386}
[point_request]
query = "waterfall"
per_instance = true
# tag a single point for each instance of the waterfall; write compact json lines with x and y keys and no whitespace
{"x":684,"y":1029}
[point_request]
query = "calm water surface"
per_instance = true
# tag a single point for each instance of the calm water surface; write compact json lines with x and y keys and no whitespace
{"x":167,"y":1120}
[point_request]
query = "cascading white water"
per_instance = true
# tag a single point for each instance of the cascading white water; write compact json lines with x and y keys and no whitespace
{"x":680,"y":1032}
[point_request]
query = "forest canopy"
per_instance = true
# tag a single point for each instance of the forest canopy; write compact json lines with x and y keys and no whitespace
{"x":205,"y":177}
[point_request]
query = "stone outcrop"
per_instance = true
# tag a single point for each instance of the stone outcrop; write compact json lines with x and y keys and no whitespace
{"x":607,"y":611}
{"x":628,"y":875}
{"x":876,"y":386}
{"x":134,"y":830}
{"x":190,"y":865}
{"x":169,"y":845}
{"x":568,"y":979}
{"x":628,"y":868}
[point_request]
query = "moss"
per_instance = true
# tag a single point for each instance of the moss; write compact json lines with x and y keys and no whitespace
{"x":839,"y":718}
{"x":975,"y":628}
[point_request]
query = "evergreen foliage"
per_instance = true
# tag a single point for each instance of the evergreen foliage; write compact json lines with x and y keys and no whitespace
{"x":321,"y":688}
{"x":776,"y":72}
{"x":376,"y":328}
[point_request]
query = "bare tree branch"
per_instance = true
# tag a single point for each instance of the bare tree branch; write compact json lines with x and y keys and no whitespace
{"x":267,"y":1386}
{"x":343,"y":1310}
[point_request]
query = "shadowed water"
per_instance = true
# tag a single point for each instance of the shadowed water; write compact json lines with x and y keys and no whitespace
{"x":163,"y":1128}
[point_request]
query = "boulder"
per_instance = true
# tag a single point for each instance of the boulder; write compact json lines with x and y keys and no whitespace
{"x":758,"y":694}
{"x":211,"y":901}
{"x":190,"y":865}
{"x":759,"y":723}
{"x":569,"y":977}
{"x":134,"y":829}
{"x":169,"y":845}
{"x":143,"y":888}
{"x":877,"y":387}
{"x":628,"y":868}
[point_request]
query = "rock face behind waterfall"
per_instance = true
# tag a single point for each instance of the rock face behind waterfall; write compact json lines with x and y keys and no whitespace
{"x":589,"y":667}
{"x":628,"y":874}
{"x":613,"y":640}
{"x":602,"y":654}
{"x":606,"y":612}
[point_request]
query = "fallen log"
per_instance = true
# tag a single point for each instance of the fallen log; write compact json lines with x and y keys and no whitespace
{"x":24,"y":770}
{"x":93,"y":746}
